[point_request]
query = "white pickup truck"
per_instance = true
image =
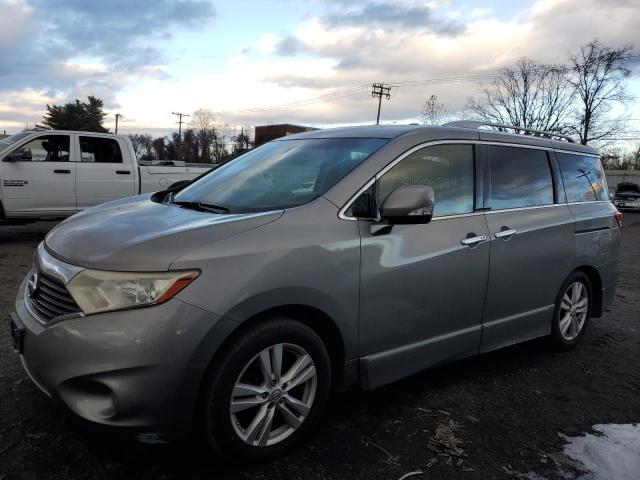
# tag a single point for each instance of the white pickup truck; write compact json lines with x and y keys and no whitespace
{"x":53,"y":173}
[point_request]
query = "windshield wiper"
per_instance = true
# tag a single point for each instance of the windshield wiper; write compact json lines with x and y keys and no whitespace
{"x":203,"y":207}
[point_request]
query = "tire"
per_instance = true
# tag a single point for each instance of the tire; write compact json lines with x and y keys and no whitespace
{"x":242,"y":362}
{"x":565,"y":336}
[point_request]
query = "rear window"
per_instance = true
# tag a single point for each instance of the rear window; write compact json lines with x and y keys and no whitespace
{"x":100,"y":150}
{"x":520,"y":177}
{"x":583,"y":178}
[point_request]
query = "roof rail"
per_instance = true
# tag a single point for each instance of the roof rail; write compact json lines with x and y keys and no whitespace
{"x":476,"y":124}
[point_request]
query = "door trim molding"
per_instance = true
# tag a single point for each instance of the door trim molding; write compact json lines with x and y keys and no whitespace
{"x":380,"y":368}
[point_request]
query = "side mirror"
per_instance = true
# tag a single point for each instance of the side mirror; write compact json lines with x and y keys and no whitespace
{"x":408,"y":204}
{"x":17,"y":155}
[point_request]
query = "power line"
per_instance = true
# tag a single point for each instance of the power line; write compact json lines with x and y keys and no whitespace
{"x":337,"y":95}
{"x":361,"y":89}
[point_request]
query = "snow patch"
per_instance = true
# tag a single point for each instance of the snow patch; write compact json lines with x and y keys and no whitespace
{"x":612,"y":452}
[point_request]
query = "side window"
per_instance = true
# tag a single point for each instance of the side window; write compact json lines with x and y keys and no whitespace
{"x":48,"y":148}
{"x":583,"y":178}
{"x":520,"y":177}
{"x":100,"y":150}
{"x":448,"y":169}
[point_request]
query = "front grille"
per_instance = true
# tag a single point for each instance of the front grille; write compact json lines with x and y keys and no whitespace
{"x":50,"y":298}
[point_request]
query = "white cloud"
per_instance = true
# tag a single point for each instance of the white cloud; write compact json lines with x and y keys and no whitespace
{"x":322,"y":58}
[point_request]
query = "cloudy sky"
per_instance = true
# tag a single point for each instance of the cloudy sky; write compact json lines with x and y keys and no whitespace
{"x":256,"y":62}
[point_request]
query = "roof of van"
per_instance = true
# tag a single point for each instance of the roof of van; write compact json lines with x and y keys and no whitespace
{"x":394,"y":131}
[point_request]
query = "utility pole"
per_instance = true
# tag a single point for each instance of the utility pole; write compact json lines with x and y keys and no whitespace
{"x":380,"y":90}
{"x":118,"y":115}
{"x":179,"y":115}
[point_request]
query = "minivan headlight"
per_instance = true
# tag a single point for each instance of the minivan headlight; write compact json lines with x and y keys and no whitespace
{"x":100,"y":291}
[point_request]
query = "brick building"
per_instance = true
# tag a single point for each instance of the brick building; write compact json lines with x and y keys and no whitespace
{"x":266,"y":133}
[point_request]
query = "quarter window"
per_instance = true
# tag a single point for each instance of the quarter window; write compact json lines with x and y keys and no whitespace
{"x":48,"y":148}
{"x":520,"y":177}
{"x":583,"y":178}
{"x":100,"y":150}
{"x":448,"y":169}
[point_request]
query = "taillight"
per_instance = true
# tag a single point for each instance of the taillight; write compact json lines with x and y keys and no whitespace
{"x":618,"y":217}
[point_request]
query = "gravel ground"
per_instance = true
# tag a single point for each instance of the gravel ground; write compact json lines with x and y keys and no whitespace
{"x":499,"y":415}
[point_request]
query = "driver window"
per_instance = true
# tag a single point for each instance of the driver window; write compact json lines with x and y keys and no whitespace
{"x":48,"y":148}
{"x":448,"y":169}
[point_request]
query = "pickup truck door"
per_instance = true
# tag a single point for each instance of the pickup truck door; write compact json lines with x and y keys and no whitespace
{"x":38,"y":178}
{"x":104,"y":170}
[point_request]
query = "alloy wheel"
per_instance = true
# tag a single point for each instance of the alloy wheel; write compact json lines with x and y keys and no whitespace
{"x":573,"y":310}
{"x":273,"y":394}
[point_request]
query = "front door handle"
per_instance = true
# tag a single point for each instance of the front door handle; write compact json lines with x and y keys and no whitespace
{"x":123,"y":172}
{"x":473,"y":240}
{"x":62,"y":171}
{"x":506,"y":233}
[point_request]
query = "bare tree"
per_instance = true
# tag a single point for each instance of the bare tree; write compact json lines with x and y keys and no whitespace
{"x":241,"y":142}
{"x":204,"y":124}
{"x":142,"y":145}
{"x":528,"y":95}
{"x":434,"y":112}
{"x":598,"y":75}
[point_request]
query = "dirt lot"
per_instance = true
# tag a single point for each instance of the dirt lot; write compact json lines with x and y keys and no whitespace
{"x":501,"y":413}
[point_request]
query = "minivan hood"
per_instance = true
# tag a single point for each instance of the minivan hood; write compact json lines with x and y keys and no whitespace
{"x":137,"y":234}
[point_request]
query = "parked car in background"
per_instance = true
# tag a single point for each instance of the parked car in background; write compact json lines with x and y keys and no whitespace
{"x":328,"y":259}
{"x":627,"y":196}
{"x":54,"y":174}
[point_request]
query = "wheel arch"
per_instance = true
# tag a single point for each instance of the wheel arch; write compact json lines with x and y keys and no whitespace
{"x":314,"y":318}
{"x":319,"y":321}
{"x":596,"y":288}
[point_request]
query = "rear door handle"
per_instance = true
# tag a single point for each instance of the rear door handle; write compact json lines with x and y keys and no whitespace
{"x":62,"y":171}
{"x":473,"y":240}
{"x":506,"y":233}
{"x":123,"y":172}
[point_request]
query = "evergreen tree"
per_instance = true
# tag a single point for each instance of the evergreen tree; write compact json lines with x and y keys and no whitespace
{"x":77,"y":115}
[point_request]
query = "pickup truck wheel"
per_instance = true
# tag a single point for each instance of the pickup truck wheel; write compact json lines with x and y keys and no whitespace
{"x":268,"y":393}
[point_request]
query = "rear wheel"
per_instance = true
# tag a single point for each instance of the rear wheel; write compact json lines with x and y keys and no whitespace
{"x":572,"y":312}
{"x":268,"y":393}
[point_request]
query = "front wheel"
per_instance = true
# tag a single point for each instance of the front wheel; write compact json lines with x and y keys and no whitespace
{"x":268,"y":393}
{"x":572,"y":312}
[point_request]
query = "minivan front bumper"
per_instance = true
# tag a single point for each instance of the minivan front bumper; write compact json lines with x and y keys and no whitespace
{"x":136,"y":368}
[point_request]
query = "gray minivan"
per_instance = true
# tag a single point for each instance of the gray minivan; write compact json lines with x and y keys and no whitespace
{"x":329,"y":259}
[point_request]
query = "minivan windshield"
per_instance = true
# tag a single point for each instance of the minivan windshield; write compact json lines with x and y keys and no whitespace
{"x":279,"y":174}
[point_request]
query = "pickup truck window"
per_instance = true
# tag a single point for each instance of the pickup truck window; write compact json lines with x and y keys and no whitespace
{"x":100,"y":150}
{"x":279,"y":174}
{"x":47,"y":148}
